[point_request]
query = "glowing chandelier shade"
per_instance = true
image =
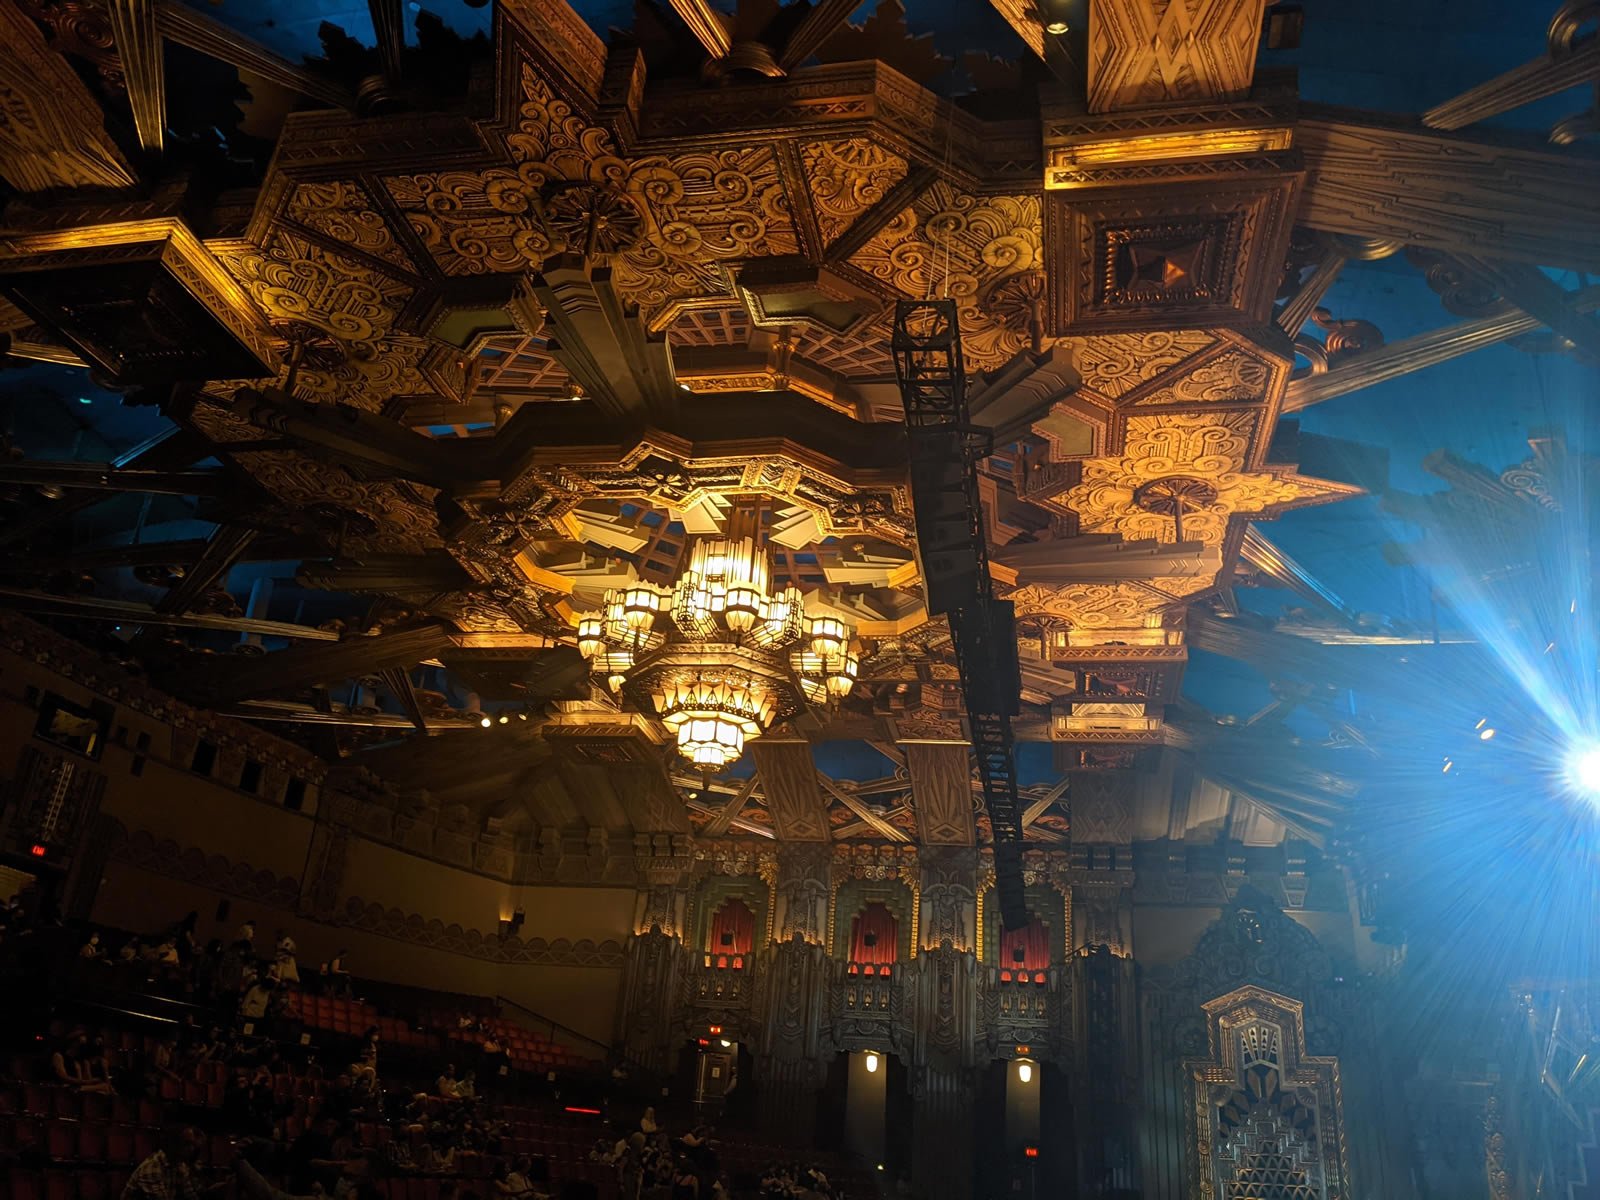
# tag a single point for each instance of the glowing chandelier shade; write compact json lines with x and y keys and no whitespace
{"x":723,"y":616}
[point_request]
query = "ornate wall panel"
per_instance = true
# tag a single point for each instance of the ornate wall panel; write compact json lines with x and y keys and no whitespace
{"x":1268,"y":1116}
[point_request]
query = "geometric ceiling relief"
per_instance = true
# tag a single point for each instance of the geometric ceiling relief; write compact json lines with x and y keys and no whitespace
{"x":953,"y":243}
{"x":1268,"y":1117}
{"x":1145,"y":53}
{"x":547,"y":336}
{"x":1188,"y":473}
{"x":847,"y":176}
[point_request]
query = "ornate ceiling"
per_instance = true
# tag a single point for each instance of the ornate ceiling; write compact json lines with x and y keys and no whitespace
{"x":499,"y":351}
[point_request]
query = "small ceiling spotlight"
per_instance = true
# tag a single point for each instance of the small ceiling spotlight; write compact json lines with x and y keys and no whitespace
{"x":485,"y":722}
{"x":504,"y":720}
{"x":1053,"y":15}
{"x":1485,"y":734}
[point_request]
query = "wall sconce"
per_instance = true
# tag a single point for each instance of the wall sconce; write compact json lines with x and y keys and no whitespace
{"x":1024,"y":1071}
{"x":512,"y":924}
{"x":872,"y":1062}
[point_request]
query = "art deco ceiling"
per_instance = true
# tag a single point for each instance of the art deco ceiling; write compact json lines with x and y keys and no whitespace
{"x":488,"y":352}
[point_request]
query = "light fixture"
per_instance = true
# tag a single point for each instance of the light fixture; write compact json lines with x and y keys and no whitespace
{"x":872,"y":1062}
{"x":591,"y":637}
{"x":1485,"y":734}
{"x":1024,"y":1071}
{"x":485,"y":721}
{"x":1057,"y":28}
{"x":725,"y":1044}
{"x":1584,"y":769}
{"x":709,"y":649}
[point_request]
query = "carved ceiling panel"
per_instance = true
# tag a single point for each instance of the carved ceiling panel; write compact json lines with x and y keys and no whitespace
{"x":845,"y":178}
{"x":1215,"y":448}
{"x":1147,"y":52}
{"x":342,"y":210}
{"x":52,"y":133}
{"x":955,"y":243}
{"x":1114,"y":364}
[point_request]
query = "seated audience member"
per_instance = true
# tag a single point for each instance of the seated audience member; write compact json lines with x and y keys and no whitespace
{"x":284,"y":959}
{"x":69,"y":1066}
{"x":467,"y":1087}
{"x":256,"y":1000}
{"x":92,"y":950}
{"x":169,"y":1173}
{"x":338,"y":975}
{"x":245,"y":940}
{"x":512,"y":1181}
{"x":311,"y":1162}
{"x":446,"y":1086}
{"x":647,"y":1123}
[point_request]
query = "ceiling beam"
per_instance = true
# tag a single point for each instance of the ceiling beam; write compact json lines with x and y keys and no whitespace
{"x":389,"y":30}
{"x":867,"y":224}
{"x":223,"y":549}
{"x":103,"y":477}
{"x":126,"y":612}
{"x":1447,"y":191}
{"x":1554,"y":72}
{"x":134,"y":25}
{"x":1536,"y":294}
{"x":724,"y":816}
{"x":189,"y":27}
{"x":338,"y":715}
{"x":879,"y":826}
{"x":1037,"y":808}
{"x":1260,"y":552}
{"x":398,"y":681}
{"x":224,"y":681}
{"x":815,"y":28}
{"x":1297,"y":309}
{"x":1394,"y":359}
{"x":709,"y":27}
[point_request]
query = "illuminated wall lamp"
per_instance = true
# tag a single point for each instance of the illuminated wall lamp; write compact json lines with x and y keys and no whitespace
{"x":1024,"y":1071}
{"x":872,"y":1062}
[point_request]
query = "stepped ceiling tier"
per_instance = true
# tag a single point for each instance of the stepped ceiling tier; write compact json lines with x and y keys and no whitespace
{"x":497,"y":328}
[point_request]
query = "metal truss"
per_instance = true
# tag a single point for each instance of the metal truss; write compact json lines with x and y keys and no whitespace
{"x":945,"y":452}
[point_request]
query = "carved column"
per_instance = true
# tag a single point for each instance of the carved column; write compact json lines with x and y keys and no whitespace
{"x":651,"y":995}
{"x":651,"y":1019}
{"x":1105,"y":1030}
{"x":802,"y":892}
{"x":948,"y":899}
{"x":793,"y":1043}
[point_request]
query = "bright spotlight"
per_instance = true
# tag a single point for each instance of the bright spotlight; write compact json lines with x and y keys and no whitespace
{"x":872,"y":1062}
{"x":1025,"y":1072}
{"x":1585,"y":769}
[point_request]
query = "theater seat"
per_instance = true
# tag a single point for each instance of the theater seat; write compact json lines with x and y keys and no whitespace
{"x":25,"y":1185}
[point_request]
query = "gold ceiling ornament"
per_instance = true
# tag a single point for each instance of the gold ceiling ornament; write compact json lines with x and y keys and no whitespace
{"x":721,"y":654}
{"x":1216,"y":447}
{"x":847,"y":177}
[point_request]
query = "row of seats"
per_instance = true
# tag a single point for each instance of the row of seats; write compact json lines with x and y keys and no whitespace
{"x":80,"y":1142}
{"x":24,"y":1184}
{"x":40,"y":1100}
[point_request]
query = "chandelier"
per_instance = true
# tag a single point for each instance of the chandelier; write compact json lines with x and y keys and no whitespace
{"x":719,"y":654}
